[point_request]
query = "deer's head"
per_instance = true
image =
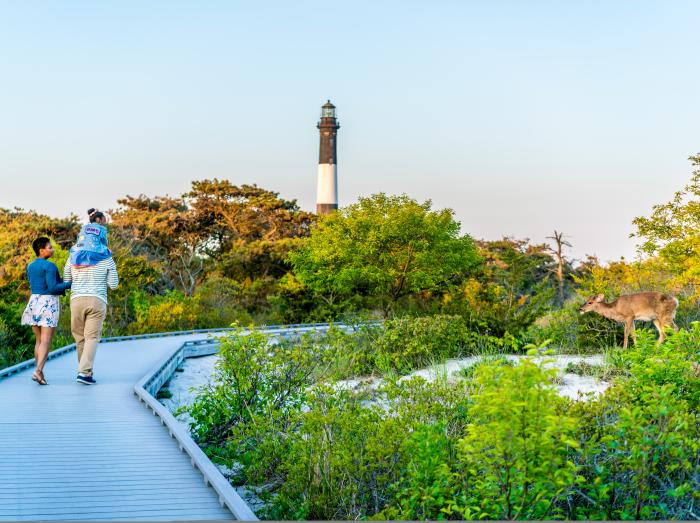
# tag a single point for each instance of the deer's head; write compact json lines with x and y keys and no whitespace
{"x":591,"y":303}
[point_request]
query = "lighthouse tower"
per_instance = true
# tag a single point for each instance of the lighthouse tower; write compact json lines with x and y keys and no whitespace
{"x":327,"y":185}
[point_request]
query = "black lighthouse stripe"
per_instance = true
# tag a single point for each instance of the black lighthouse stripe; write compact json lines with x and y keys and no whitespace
{"x":328,"y":129}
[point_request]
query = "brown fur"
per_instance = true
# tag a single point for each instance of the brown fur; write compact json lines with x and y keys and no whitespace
{"x":648,"y":306}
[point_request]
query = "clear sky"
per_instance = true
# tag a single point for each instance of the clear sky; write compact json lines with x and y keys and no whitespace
{"x":523,"y":117}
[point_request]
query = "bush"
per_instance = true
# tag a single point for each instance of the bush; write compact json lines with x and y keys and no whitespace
{"x":469,"y":371}
{"x":688,"y":312}
{"x":427,"y":486}
{"x":569,"y":330}
{"x":407,"y":343}
{"x":326,"y":453}
{"x":172,"y":312}
{"x":601,"y":372}
{"x":639,"y":459}
{"x":10,"y":352}
{"x":400,"y":345}
{"x":672,"y":363}
{"x":342,"y":460}
{"x":249,"y":407}
{"x":515,"y":453}
{"x":220,"y":304}
{"x":349,"y":456}
{"x":16,"y":341}
{"x":641,"y":440}
{"x":346,"y":354}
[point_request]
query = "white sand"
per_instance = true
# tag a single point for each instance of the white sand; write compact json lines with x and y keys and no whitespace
{"x":198,"y":371}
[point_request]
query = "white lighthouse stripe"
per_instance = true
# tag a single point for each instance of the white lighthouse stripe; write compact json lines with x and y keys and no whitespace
{"x":327,"y":186}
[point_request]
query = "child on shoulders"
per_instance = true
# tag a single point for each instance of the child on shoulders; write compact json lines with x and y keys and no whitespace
{"x":91,"y":245}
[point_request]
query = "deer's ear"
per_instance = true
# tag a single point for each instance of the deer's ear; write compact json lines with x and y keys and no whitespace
{"x":600,"y":297}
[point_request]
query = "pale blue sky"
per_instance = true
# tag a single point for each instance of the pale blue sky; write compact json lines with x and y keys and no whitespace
{"x":524,"y":117}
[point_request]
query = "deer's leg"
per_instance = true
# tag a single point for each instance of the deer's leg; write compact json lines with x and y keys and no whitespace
{"x":660,"y":327}
{"x":627,"y":333}
{"x":633,"y":333}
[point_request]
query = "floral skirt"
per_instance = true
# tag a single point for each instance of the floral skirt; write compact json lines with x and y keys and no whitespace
{"x":42,"y":311}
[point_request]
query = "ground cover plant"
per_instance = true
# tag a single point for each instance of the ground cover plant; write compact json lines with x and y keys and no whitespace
{"x":604,"y":372}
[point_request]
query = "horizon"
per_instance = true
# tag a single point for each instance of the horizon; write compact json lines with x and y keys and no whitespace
{"x":522,"y":120}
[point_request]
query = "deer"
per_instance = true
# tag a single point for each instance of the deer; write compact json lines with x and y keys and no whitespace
{"x":656,"y":307}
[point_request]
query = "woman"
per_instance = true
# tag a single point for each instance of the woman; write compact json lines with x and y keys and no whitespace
{"x":42,"y":310}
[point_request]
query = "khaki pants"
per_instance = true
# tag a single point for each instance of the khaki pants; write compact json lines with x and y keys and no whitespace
{"x":87,"y":313}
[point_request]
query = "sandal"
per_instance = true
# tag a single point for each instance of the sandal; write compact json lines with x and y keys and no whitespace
{"x":39,"y":378}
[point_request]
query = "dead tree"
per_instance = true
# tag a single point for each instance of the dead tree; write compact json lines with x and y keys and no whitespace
{"x":559,"y":270}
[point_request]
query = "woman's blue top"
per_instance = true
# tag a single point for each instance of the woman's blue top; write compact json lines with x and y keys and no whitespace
{"x":44,"y":278}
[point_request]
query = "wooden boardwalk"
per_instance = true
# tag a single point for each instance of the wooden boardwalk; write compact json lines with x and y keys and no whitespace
{"x":76,"y":452}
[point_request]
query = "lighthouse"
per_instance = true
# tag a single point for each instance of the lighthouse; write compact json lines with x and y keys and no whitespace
{"x":327,"y":184}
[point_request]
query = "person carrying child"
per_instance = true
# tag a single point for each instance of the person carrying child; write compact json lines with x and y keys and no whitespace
{"x":92,"y":271}
{"x":91,"y":245}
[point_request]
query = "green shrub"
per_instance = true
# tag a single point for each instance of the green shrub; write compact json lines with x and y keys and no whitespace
{"x":640,"y":457}
{"x":488,"y":359}
{"x":502,"y":445}
{"x":170,"y":312}
{"x":641,"y":440}
{"x":570,"y":331}
{"x":341,"y":462}
{"x":416,"y":401}
{"x":671,"y":363}
{"x":427,"y":487}
{"x":601,"y":372}
{"x":401,"y":345}
{"x":345,"y":354}
{"x":516,"y":450}
{"x":254,"y":380}
{"x":10,"y":351}
{"x":687,"y":313}
{"x":16,"y":341}
{"x":220,"y":304}
{"x":408,"y":343}
{"x":348,"y":458}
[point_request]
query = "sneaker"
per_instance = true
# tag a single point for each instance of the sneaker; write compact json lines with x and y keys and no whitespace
{"x":86,"y":380}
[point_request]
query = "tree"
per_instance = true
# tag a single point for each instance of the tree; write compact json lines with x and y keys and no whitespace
{"x":247,"y":213}
{"x":560,"y":242}
{"x":386,"y":248}
{"x":245,"y":232}
{"x":512,"y":289}
{"x":19,"y":228}
{"x":163,"y":230}
{"x":672,"y":232}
